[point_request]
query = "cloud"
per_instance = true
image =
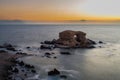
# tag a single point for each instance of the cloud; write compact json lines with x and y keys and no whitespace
{"x":102,"y":7}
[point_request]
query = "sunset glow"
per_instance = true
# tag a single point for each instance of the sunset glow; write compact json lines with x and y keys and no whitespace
{"x":59,"y":10}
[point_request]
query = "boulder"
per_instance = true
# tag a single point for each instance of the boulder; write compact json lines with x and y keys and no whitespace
{"x":73,"y":39}
{"x":100,"y":42}
{"x":65,"y":53}
{"x":3,"y":51}
{"x":46,"y":46}
{"x":53,"y":72}
{"x":9,"y":47}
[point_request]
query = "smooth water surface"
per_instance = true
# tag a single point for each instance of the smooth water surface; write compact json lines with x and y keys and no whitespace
{"x":84,"y":64}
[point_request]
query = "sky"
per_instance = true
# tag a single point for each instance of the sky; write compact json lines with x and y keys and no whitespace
{"x":59,"y":10}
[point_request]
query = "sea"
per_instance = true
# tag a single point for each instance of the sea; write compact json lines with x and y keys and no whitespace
{"x":100,"y":63}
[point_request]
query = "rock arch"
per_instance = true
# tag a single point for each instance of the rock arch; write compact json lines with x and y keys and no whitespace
{"x":72,"y":38}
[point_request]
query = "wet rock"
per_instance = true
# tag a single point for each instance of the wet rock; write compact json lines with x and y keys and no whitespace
{"x":90,"y":42}
{"x":3,"y":51}
{"x":9,"y":78}
{"x":100,"y":42}
{"x":28,"y":47}
{"x":14,"y":61}
{"x":63,"y":76}
{"x":50,"y":42}
{"x":90,"y":47}
{"x":54,"y":57}
{"x":47,"y":54}
{"x":65,"y":53}
{"x":15,"y":70}
{"x":10,"y":68}
{"x":46,"y":47}
{"x":33,"y":71}
{"x":21,"y":53}
{"x":25,"y":74}
{"x":52,"y":53}
{"x":23,"y":70}
{"x":9,"y":47}
{"x":29,"y":66}
{"x":41,"y":42}
{"x":53,"y":72}
{"x":1,"y":46}
{"x":21,"y":63}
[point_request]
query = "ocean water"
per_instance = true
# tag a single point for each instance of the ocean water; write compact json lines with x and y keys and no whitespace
{"x":84,"y":64}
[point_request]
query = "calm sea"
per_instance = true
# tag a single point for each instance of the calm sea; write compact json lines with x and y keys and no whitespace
{"x":84,"y":64}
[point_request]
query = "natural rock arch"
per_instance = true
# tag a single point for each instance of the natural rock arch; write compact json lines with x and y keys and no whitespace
{"x":72,"y":38}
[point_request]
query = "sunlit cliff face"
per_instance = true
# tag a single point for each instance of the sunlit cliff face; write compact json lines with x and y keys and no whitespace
{"x":59,"y":10}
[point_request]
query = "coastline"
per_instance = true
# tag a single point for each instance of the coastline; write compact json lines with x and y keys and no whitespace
{"x":6,"y":62}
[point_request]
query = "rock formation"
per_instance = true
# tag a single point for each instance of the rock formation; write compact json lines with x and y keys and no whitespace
{"x":73,"y":39}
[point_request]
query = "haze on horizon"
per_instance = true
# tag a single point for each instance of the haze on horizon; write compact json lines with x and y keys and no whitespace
{"x":59,"y":10}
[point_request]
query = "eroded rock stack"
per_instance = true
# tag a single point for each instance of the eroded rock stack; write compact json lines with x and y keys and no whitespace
{"x":73,"y":39}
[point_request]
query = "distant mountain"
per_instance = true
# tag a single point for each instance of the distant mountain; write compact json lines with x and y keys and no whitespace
{"x":11,"y":21}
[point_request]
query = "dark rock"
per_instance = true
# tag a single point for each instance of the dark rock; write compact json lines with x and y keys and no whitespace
{"x":7,"y":45}
{"x":53,"y":72}
{"x":50,"y":42}
{"x":90,"y":42}
{"x":63,"y":76}
{"x":10,"y":48}
{"x":100,"y":42}
{"x":28,"y":47}
{"x":54,"y":57}
{"x":45,"y":47}
{"x":90,"y":47}
{"x":10,"y":68}
{"x":23,"y":70}
{"x":42,"y":42}
{"x":29,"y":66}
{"x":21,"y":53}
{"x":47,"y":54}
{"x":3,"y":51}
{"x":65,"y":53}
{"x":21,"y":63}
{"x":14,"y":61}
{"x":15,"y":70}
{"x":9,"y":78}
{"x":25,"y":74}
{"x":52,"y":53}
{"x":33,"y":71}
{"x":1,"y":46}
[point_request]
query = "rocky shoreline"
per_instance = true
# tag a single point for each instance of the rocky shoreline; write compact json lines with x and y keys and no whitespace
{"x":11,"y":68}
{"x":6,"y":63}
{"x":70,"y":39}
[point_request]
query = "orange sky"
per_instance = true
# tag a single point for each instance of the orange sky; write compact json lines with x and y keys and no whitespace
{"x":58,"y":10}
